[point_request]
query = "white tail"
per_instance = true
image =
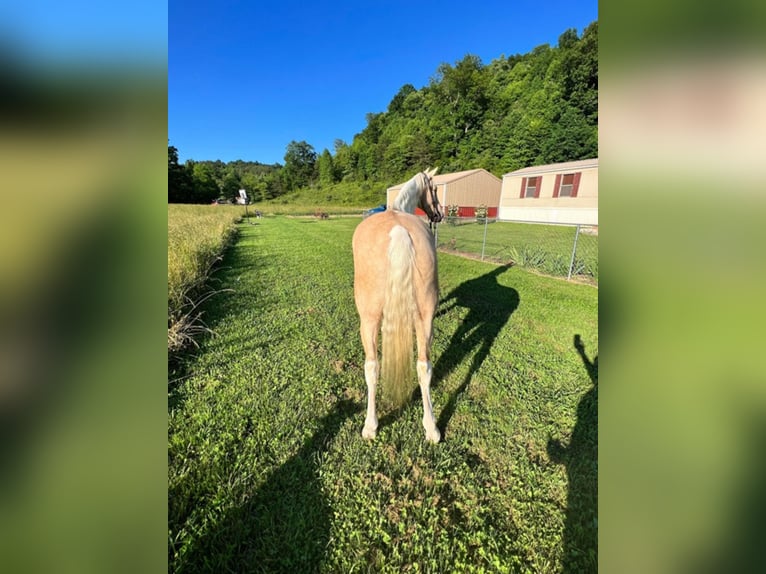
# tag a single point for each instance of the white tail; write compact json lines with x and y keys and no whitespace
{"x":398,"y":317}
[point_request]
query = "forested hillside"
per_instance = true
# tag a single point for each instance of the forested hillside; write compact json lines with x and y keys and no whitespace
{"x":516,"y":111}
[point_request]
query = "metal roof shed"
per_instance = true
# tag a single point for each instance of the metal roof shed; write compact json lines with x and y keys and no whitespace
{"x":465,"y":189}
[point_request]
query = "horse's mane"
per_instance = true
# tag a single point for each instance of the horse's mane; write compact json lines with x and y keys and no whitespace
{"x":408,"y":197}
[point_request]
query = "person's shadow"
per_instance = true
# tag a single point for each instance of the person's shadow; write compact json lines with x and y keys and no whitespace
{"x":285,"y":525}
{"x":581,"y":461}
{"x":489,"y":305}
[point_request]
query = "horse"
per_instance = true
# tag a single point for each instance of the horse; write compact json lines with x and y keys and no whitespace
{"x":396,"y":283}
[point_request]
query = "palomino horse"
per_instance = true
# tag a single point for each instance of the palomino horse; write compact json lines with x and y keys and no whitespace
{"x":395,"y":279}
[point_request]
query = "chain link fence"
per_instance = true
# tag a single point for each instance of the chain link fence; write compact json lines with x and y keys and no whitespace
{"x":562,"y":250}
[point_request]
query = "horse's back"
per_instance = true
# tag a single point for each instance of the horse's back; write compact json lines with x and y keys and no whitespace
{"x":370,"y":246}
{"x":372,"y":237}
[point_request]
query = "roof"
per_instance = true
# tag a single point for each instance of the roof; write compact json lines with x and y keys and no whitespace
{"x":443,"y":178}
{"x":564,"y":166}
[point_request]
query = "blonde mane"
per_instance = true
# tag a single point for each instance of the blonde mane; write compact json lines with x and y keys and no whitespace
{"x":411,"y":193}
{"x":409,"y":196}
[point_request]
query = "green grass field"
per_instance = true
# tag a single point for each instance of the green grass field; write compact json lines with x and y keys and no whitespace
{"x":343,"y":197}
{"x":268,"y":471}
{"x":546,"y":248}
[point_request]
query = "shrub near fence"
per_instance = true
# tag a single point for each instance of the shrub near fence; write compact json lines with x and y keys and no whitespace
{"x":561,"y":250}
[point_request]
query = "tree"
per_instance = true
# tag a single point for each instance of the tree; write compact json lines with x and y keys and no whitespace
{"x":300,"y":158}
{"x":568,"y":39}
{"x":580,"y":74}
{"x":180,"y":184}
{"x":231,"y":185}
{"x":254,"y":185}
{"x":398,"y":100}
{"x":206,"y":189}
{"x":461,"y":94}
{"x":326,"y":169}
{"x":342,"y":160}
{"x":274,"y":184}
{"x":571,"y":138}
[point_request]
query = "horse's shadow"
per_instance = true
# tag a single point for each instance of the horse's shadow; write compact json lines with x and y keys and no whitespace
{"x":489,"y":305}
{"x":581,"y":459}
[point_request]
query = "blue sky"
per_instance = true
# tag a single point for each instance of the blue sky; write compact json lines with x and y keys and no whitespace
{"x":246,"y":78}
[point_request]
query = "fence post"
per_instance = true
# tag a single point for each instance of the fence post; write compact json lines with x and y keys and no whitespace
{"x":574,"y":250}
{"x":483,"y":243}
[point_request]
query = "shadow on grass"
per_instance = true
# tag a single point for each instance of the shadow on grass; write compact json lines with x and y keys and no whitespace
{"x":581,"y":461}
{"x":489,"y":305}
{"x":284,"y":526}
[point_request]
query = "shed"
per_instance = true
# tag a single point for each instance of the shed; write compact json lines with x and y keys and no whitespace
{"x":554,"y":193}
{"x":465,"y":189}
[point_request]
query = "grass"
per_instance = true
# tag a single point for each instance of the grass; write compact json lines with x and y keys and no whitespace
{"x":546,"y":248}
{"x":343,"y":197}
{"x":197,"y":237}
{"x":267,"y":468}
{"x":306,"y":208}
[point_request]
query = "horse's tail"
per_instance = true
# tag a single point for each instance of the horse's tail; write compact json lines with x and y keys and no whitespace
{"x":398,"y":317}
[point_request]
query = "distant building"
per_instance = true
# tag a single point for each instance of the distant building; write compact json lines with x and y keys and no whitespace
{"x":555,"y":193}
{"x":465,"y":189}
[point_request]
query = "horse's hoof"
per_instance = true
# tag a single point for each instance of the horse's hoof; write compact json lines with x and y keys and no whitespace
{"x":433,"y":436}
{"x":369,"y":433}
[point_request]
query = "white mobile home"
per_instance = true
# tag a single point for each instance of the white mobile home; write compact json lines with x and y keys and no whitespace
{"x":555,"y":193}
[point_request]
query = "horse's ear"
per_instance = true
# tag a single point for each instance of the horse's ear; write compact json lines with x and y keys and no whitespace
{"x":432,"y":172}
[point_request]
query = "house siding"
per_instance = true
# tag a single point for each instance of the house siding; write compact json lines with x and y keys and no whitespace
{"x":546,"y":206}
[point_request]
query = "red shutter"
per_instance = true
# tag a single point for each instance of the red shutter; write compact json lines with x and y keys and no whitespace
{"x":576,"y":184}
{"x":523,"y":187}
{"x":557,"y":185}
{"x":539,"y":182}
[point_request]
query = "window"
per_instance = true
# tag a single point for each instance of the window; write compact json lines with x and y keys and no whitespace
{"x":567,"y":185}
{"x":530,"y":186}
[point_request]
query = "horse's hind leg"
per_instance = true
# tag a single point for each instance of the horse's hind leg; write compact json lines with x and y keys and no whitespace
{"x":369,"y":332}
{"x":424,"y":333}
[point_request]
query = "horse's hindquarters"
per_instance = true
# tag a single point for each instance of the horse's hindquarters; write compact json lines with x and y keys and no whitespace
{"x":395,"y":282}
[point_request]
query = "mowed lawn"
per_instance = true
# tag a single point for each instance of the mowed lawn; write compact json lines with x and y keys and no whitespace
{"x":268,"y":471}
{"x":547,"y":248}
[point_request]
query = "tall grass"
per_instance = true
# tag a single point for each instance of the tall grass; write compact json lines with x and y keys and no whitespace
{"x":197,"y":236}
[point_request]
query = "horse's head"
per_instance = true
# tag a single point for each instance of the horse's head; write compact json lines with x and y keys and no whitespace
{"x":429,"y":201}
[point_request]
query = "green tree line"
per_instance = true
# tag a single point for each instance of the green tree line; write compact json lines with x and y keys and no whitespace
{"x":516,"y":111}
{"x":207,"y":181}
